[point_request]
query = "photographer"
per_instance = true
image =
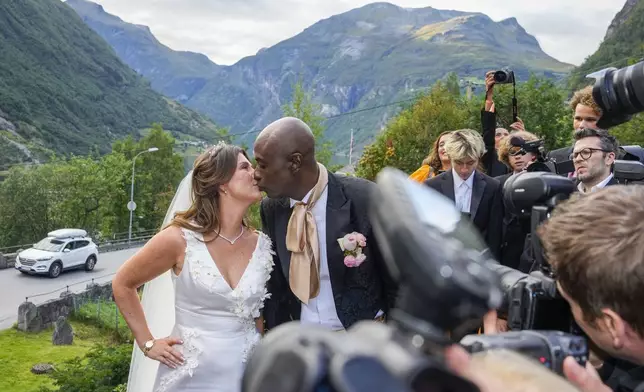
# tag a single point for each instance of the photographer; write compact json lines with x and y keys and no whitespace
{"x":595,"y":245}
{"x":515,"y":230}
{"x":492,"y":134}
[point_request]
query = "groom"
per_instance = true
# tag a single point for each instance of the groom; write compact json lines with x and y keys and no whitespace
{"x":307,"y":210}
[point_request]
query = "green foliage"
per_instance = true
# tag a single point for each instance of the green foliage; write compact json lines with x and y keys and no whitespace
{"x":91,"y":194}
{"x":542,"y":108}
{"x":303,"y":108}
{"x":106,"y":316}
{"x":623,"y":47}
{"x":630,"y":133}
{"x":66,"y":90}
{"x":101,"y":370}
{"x":22,"y":350}
{"x":407,"y":139}
{"x":409,"y":136}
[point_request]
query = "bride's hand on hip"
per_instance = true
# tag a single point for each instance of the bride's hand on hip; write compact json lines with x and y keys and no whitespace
{"x":163,"y":351}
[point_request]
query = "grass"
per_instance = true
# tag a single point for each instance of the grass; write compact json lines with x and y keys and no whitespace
{"x":20,"y":351}
{"x":103,"y":316}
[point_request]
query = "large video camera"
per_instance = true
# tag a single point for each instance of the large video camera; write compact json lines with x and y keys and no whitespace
{"x":532,"y":300}
{"x":619,"y":93}
{"x":445,"y":288}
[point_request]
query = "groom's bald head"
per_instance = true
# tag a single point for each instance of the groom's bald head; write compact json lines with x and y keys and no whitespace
{"x":285,"y":155}
{"x":288,"y":136}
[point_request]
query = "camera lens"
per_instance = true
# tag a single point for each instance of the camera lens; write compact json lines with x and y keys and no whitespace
{"x":500,"y":76}
{"x":620,"y":94}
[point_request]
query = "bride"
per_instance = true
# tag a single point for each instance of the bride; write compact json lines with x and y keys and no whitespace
{"x":213,"y":268}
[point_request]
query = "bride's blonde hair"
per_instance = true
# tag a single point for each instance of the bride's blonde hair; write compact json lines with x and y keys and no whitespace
{"x":211,"y":169}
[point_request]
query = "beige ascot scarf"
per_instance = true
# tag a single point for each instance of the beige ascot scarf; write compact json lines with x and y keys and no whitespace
{"x":302,"y":241}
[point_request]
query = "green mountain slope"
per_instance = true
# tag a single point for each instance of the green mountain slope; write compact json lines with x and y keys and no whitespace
{"x":623,"y":44}
{"x":371,"y":56}
{"x":63,"y":89}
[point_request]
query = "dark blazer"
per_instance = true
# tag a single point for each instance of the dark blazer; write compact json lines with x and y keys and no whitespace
{"x":490,"y":160}
{"x":486,"y":209}
{"x":360,"y":292}
{"x":514,"y":232}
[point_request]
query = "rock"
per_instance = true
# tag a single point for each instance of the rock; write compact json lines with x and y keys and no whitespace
{"x":6,"y":125}
{"x":63,"y":332}
{"x":3,"y":261}
{"x":42,"y":368}
{"x":29,"y":319}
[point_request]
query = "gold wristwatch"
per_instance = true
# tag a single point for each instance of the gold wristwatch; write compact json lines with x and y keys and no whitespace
{"x":148,"y":346}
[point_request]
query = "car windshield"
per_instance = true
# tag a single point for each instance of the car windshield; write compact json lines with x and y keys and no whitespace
{"x":49,"y":245}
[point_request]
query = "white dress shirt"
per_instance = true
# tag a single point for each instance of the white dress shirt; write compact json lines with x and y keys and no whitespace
{"x":601,"y":185}
{"x":321,"y":309}
{"x":463,"y":192}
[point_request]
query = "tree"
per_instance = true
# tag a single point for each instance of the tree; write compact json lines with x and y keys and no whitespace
{"x":407,"y":139}
{"x":630,"y":133}
{"x":90,"y":194}
{"x":542,"y":108}
{"x":302,"y":107}
{"x":156,"y":177}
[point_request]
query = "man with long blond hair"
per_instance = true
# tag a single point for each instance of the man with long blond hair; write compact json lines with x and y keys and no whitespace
{"x":476,"y":195}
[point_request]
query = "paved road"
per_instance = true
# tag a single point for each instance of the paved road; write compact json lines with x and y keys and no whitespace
{"x":14,"y":286}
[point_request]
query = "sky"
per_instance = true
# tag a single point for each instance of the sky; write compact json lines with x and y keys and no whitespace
{"x":228,"y":30}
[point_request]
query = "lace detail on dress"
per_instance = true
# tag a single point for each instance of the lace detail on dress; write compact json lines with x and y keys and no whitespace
{"x":247,"y":302}
{"x":191,"y":355}
{"x":200,"y":263}
{"x":248,"y":298}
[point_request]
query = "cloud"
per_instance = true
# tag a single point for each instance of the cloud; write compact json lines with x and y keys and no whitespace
{"x":227,"y":30}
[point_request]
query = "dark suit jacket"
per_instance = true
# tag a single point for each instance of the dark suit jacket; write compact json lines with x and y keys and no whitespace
{"x":360,"y":292}
{"x":514,"y":232}
{"x":486,"y":209}
{"x":490,"y":160}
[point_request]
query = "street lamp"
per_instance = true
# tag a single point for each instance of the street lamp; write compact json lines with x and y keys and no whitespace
{"x":132,"y":205}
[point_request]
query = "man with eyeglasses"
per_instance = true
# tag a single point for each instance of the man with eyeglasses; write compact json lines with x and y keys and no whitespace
{"x":593,"y":155}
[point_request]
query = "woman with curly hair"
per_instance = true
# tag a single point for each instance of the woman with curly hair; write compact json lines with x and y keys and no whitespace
{"x":436,"y":162}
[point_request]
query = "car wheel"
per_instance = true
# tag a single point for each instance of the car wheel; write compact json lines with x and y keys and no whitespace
{"x":55,"y":270}
{"x":90,"y":263}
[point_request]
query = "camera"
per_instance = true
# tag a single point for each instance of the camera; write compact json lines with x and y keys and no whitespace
{"x":629,"y":172}
{"x":549,"y":347}
{"x":532,"y":300}
{"x":542,"y":163}
{"x":446,"y":286}
{"x":504,"y":76}
{"x":619,"y":93}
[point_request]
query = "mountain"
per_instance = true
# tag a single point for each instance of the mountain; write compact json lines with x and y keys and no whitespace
{"x":64,"y":90}
{"x":623,"y":44}
{"x":373,"y":56}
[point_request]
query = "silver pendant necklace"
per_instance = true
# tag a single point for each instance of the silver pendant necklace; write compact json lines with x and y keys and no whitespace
{"x":232,"y":242}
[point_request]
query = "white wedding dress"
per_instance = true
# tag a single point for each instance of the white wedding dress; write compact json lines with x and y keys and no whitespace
{"x":215,"y":321}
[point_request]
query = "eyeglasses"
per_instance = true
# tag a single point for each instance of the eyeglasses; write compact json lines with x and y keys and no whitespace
{"x":586,"y":153}
{"x":516,"y":151}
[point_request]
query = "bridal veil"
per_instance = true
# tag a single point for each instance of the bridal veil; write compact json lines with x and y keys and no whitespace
{"x":158,"y":303}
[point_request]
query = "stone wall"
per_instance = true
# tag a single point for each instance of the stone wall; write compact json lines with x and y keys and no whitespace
{"x":36,"y":318}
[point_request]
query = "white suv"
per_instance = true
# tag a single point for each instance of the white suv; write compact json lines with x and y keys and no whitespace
{"x":61,"y":250}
